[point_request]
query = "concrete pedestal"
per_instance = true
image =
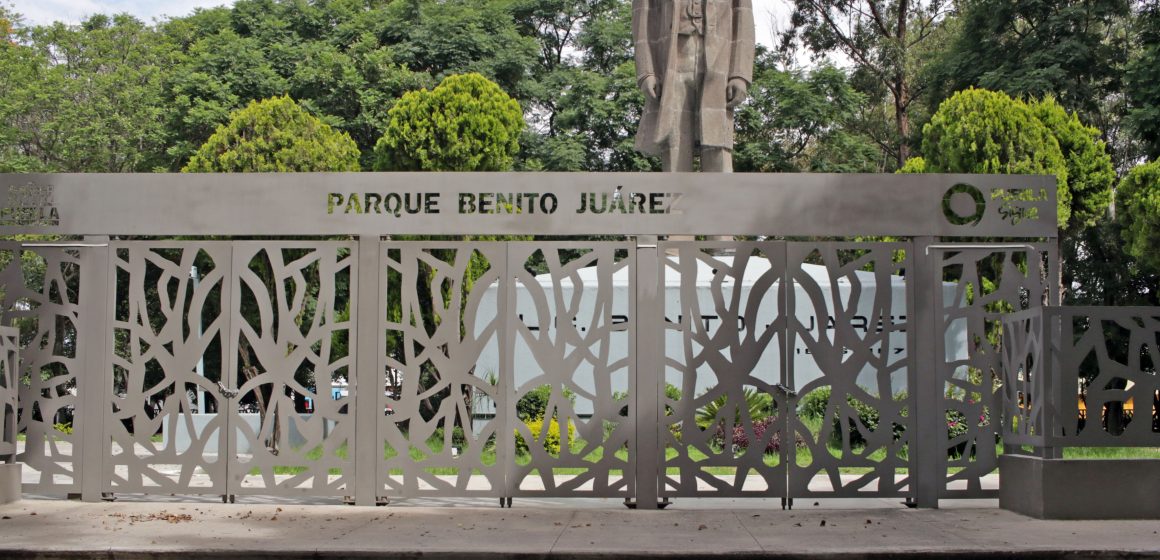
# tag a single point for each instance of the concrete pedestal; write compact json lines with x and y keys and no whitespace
{"x":10,"y":482}
{"x":1080,"y":488}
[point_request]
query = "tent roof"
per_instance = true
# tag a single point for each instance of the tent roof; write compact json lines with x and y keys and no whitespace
{"x":754,"y":269}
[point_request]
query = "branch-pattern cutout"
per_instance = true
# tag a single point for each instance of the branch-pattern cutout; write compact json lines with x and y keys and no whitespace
{"x":851,"y":370}
{"x":442,"y":326}
{"x":167,"y":429}
{"x":723,"y":425}
{"x":9,"y":390}
{"x":293,"y":334}
{"x":988,"y":285}
{"x":1025,"y":402}
{"x":1111,"y":355}
{"x":574,"y":429}
{"x":41,"y":297}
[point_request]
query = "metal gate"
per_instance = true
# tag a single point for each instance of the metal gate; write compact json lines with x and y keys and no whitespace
{"x":789,"y":372}
{"x":231,"y":368}
{"x":455,"y":316}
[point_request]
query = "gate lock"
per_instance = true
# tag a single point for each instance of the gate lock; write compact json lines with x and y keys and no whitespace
{"x":789,"y":393}
{"x":227,"y":393}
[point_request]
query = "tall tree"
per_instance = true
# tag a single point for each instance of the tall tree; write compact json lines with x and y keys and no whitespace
{"x":1142,"y":87}
{"x":799,"y":121}
{"x":886,"y":40}
{"x":1074,"y":50}
{"x":86,"y":98}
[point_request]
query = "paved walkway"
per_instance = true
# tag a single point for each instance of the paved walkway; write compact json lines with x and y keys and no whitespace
{"x":41,"y":528}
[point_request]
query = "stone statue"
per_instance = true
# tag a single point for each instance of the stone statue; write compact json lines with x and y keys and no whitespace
{"x":694,"y":62}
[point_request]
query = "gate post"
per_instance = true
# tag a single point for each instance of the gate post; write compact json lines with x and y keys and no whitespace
{"x":927,"y":397}
{"x":368,"y":385}
{"x":95,"y":378}
{"x":650,"y":355}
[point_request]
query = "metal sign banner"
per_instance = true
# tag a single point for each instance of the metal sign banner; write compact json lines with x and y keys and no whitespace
{"x":529,"y":204}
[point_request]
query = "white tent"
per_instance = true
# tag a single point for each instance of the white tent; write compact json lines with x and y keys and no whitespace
{"x":805,"y":367}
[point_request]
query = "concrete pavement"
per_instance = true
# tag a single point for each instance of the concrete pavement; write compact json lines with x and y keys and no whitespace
{"x":48,"y":529}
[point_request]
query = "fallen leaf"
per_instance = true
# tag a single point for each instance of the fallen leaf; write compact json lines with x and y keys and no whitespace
{"x":702,"y":527}
{"x":822,"y":524}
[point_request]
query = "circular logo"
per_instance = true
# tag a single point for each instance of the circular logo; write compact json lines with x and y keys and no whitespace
{"x":964,"y":205}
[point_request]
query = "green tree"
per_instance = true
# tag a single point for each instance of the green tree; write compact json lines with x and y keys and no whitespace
{"x":1074,"y":50}
{"x":467,"y":123}
{"x":1142,"y":82}
{"x":1090,"y":173}
{"x":220,"y":74}
{"x":887,"y":41}
{"x":1138,"y":210}
{"x":798,"y":121}
{"x":84,"y":98}
{"x":275,"y":135}
{"x":980,"y":131}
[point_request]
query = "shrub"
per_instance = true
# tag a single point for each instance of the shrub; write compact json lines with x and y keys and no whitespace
{"x":758,"y":405}
{"x":458,"y":438}
{"x":467,"y":123}
{"x":63,"y":428}
{"x":813,"y":406}
{"x":740,"y":440}
{"x":534,"y":404}
{"x":275,"y":135}
{"x":550,"y":441}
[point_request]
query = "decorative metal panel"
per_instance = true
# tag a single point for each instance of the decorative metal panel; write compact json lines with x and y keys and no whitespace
{"x":1104,"y":363}
{"x":293,"y":350}
{"x":166,"y":429}
{"x":573,"y":323}
{"x":9,"y":391}
{"x":41,"y":292}
{"x":722,"y":425}
{"x":851,"y":369}
{"x":1025,"y":401}
{"x":988,"y":284}
{"x":444,"y":310}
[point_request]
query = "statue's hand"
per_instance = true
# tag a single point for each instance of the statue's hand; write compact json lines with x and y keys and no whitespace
{"x":650,"y":87}
{"x":736,"y":93}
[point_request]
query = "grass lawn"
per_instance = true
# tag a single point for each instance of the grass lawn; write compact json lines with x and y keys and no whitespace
{"x":803,"y":457}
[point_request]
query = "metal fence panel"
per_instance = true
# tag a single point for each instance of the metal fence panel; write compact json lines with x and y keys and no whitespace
{"x":167,"y":423}
{"x":1104,"y":362}
{"x":574,"y":326}
{"x":292,"y":348}
{"x":987,"y":284}
{"x":851,"y":368}
{"x":443,"y":307}
{"x":42,"y":298}
{"x":9,"y":391}
{"x":723,"y":425}
{"x":1025,"y":359}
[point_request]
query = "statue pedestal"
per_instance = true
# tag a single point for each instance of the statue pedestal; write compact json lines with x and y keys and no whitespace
{"x":10,"y":482}
{"x":1080,"y":488}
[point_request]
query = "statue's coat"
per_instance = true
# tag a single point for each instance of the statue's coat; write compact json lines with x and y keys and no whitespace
{"x":729,"y":53}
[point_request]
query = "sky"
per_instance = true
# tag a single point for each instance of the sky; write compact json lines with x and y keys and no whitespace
{"x":39,"y":12}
